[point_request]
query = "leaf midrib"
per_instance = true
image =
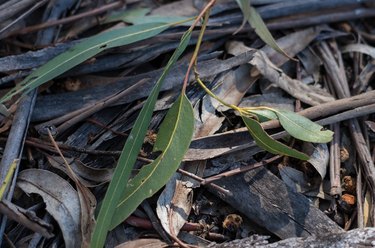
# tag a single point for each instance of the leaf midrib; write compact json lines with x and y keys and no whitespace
{"x":159,"y":159}
{"x":311,"y":133}
{"x":78,"y":54}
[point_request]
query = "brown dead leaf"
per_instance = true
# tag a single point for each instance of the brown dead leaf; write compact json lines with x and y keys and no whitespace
{"x":26,"y":218}
{"x":87,"y":202}
{"x":144,"y":243}
{"x":62,"y":201}
{"x":307,"y":94}
{"x":89,"y":176}
{"x":266,"y":62}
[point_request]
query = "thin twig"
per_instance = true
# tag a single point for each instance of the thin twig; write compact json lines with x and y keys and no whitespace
{"x":100,"y":124}
{"x":193,"y":58}
{"x":209,"y":180}
{"x":154,"y":221}
{"x":199,"y":179}
{"x":24,"y":15}
{"x":68,"y":168}
{"x":46,"y":146}
{"x":335,"y":162}
{"x":69,"y":19}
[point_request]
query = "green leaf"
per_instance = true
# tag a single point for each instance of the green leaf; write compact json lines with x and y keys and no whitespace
{"x":256,"y":22}
{"x":245,"y":8}
{"x":138,"y":16}
{"x":161,"y":19}
{"x":302,"y":128}
{"x":173,"y":140}
{"x":129,"y":154}
{"x":127,"y":15}
{"x":83,"y":51}
{"x":266,"y":142}
{"x":296,"y":125}
{"x":264,"y":114}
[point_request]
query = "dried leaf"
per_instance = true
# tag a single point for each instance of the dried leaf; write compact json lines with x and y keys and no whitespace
{"x":27,"y":218}
{"x":360,"y":48}
{"x":177,"y":194}
{"x":308,"y":94}
{"x":287,"y":43}
{"x":367,"y":207}
{"x":89,"y":176}
{"x":145,"y":243}
{"x":62,"y":201}
{"x":319,"y":159}
{"x":256,"y":22}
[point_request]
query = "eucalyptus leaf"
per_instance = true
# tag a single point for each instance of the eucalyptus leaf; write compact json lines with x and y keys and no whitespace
{"x":138,"y":16}
{"x":245,"y":8}
{"x":161,"y":19}
{"x":173,"y":140}
{"x":264,"y":114}
{"x":302,"y":128}
{"x":256,"y":22}
{"x":266,"y":142}
{"x":83,"y":51}
{"x":129,"y":154}
{"x":127,"y":15}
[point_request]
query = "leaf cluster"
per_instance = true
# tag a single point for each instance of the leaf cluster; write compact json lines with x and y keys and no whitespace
{"x":124,"y":195}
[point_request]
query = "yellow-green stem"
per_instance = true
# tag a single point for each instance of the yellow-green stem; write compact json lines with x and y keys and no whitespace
{"x":194,"y":57}
{"x":210,"y":93}
{"x":181,"y":22}
{"x":200,"y":37}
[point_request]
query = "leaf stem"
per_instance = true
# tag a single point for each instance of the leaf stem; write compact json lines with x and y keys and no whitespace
{"x":193,"y":59}
{"x":210,"y":93}
{"x":181,"y":22}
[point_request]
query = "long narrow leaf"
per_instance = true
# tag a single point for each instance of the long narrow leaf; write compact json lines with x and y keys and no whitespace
{"x":266,"y":142}
{"x":302,"y":128}
{"x":129,"y":154}
{"x":256,"y":22}
{"x":138,"y":16}
{"x":83,"y":51}
{"x":173,"y":140}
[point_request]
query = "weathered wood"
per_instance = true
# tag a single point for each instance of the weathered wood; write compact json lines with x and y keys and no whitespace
{"x":266,"y":200}
{"x":60,"y":104}
{"x":354,"y":238}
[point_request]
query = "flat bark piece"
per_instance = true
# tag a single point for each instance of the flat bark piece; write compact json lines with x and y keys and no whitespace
{"x":266,"y":200}
{"x":146,"y":243}
{"x":354,"y":238}
{"x":60,"y":104}
{"x":32,"y":59}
